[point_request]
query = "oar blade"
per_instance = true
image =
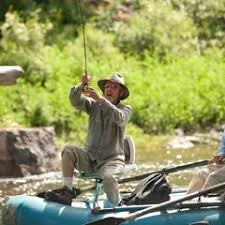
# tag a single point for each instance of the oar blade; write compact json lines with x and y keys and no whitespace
{"x":107,"y":221}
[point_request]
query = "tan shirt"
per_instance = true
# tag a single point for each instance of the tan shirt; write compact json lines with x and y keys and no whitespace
{"x":106,"y":127}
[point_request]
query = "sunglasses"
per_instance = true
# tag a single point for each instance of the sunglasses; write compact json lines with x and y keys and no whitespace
{"x":112,"y":86}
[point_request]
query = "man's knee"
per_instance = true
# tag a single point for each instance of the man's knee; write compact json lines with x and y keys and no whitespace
{"x":214,"y":178}
{"x":67,"y":150}
{"x":68,"y":154}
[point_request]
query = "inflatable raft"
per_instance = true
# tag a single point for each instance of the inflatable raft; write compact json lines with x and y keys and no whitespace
{"x":31,"y":210}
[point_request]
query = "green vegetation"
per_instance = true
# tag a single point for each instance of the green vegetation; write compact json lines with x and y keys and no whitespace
{"x":170,"y":52}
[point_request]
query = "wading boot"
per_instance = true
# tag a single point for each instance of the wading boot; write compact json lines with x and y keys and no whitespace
{"x":63,"y":196}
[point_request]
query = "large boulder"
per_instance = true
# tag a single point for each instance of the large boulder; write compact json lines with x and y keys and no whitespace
{"x":9,"y":74}
{"x":27,"y":151}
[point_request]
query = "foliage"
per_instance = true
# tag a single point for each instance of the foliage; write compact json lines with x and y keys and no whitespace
{"x":23,"y":43}
{"x":209,"y":18}
{"x":171,"y":85}
{"x":109,"y":17}
{"x":160,"y":29}
{"x":18,"y":5}
{"x":183,"y":92}
{"x":165,"y":27}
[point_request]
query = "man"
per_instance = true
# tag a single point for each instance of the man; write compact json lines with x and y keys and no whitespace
{"x":103,"y":152}
{"x":214,"y":174}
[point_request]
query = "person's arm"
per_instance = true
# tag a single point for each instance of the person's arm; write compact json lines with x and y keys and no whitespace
{"x":119,"y":115}
{"x":222,"y":146}
{"x":221,"y":155}
{"x":77,"y":98}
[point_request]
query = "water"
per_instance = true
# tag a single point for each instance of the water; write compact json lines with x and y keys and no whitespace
{"x":150,"y":157}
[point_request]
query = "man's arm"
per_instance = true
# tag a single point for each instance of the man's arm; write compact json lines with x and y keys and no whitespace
{"x":77,"y":98}
{"x":221,"y":155}
{"x":119,"y":115}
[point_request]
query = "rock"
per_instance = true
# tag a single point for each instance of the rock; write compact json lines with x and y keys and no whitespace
{"x":180,"y":142}
{"x":184,"y":142}
{"x":27,"y":151}
{"x":9,"y":74}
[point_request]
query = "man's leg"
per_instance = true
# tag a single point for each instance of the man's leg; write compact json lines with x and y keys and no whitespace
{"x":110,"y":172}
{"x":67,"y":170}
{"x":203,"y":178}
{"x":198,"y":180}
{"x":216,"y":177}
{"x":72,"y":157}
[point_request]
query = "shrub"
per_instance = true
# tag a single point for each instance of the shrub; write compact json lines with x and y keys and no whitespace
{"x":22,"y":43}
{"x":159,"y":29}
{"x":184,"y":92}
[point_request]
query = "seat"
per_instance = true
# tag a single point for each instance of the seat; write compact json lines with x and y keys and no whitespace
{"x":129,"y":150}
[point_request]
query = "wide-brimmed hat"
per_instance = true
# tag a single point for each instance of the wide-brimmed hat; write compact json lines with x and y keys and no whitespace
{"x":116,"y":78}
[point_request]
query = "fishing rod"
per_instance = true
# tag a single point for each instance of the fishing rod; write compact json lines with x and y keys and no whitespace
{"x":83,"y":35}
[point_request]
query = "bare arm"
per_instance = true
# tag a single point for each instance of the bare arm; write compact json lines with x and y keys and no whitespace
{"x":218,"y":159}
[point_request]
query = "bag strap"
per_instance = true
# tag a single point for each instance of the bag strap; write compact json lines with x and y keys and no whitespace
{"x":153,"y":179}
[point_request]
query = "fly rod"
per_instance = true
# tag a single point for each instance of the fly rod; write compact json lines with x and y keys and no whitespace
{"x":84,"y":39}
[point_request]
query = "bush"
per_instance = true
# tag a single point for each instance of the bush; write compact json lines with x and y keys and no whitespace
{"x":23,"y":43}
{"x":158,"y":29}
{"x":208,"y":18}
{"x":184,"y":92}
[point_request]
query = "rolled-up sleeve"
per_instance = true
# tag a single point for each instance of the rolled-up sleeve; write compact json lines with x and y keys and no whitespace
{"x":78,"y":100}
{"x":119,"y":114}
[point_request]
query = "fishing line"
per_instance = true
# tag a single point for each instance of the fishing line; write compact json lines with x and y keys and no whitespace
{"x":84,"y":40}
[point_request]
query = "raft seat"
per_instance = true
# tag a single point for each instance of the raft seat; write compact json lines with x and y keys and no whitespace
{"x":129,"y":150}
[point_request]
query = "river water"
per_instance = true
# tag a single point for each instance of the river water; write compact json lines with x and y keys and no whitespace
{"x":149,"y":158}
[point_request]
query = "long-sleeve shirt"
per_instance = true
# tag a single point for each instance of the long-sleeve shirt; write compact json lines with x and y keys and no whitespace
{"x":222,"y":145}
{"x":107,"y":123}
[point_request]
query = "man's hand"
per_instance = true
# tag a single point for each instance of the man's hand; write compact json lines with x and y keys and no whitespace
{"x":91,"y":92}
{"x":217,"y":159}
{"x":85,"y":79}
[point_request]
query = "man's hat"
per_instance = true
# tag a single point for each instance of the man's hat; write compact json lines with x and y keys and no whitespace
{"x":116,"y":78}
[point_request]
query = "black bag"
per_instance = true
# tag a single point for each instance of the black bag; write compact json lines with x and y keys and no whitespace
{"x":152,"y":189}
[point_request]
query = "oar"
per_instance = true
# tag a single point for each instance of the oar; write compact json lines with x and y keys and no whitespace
{"x":159,"y":207}
{"x":166,"y":170}
{"x":140,"y":177}
{"x":134,"y":208}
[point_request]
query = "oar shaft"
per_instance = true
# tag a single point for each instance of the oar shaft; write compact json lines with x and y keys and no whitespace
{"x":187,"y":166}
{"x":135,"y":208}
{"x":166,"y":171}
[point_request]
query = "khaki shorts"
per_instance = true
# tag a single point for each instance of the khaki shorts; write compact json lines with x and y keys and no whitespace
{"x":204,"y":178}
{"x":109,"y":171}
{"x":82,"y":162}
{"x":216,"y":175}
